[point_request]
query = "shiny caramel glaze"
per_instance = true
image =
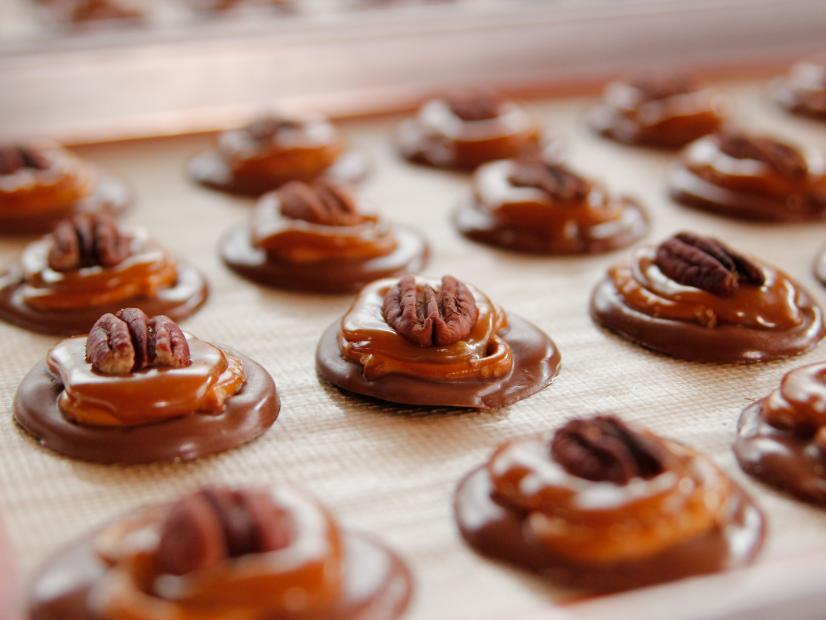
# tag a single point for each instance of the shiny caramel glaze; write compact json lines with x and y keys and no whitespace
{"x":524,"y":506}
{"x":665,"y":111}
{"x":319,"y":572}
{"x":51,"y":184}
{"x":755,"y":323}
{"x":780,"y":438}
{"x":147,"y":396}
{"x":528,"y":219}
{"x":274,"y":150}
{"x":803,"y":88}
{"x":366,"y":339}
{"x":714,"y":180}
{"x":438,"y":136}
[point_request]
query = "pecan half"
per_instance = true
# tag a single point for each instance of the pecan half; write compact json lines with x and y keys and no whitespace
{"x":427,"y":317}
{"x":207,"y":527}
{"x":661,"y":86}
{"x":129,"y":341}
{"x":14,"y":157}
{"x":559,"y":183}
{"x":604,"y":449}
{"x":323,"y":202}
{"x":707,"y":264}
{"x":476,"y":105}
{"x":266,"y":128}
{"x":785,"y":159}
{"x":87,"y":240}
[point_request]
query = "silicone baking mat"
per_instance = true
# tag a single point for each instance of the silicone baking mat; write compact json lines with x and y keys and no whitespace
{"x":392,"y":471}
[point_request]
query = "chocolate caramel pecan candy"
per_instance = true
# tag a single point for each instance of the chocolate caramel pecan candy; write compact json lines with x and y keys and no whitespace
{"x":14,"y":157}
{"x":785,"y":159}
{"x":129,"y":341}
{"x":559,"y":183}
{"x":87,"y":240}
{"x":214,"y":524}
{"x":604,"y":449}
{"x":429,"y":317}
{"x":323,"y":202}
{"x":707,"y":264}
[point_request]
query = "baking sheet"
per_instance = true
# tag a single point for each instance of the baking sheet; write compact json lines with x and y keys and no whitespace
{"x":392,"y":471}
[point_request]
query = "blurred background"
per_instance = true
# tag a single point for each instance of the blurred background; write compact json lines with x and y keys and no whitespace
{"x":87,"y":70}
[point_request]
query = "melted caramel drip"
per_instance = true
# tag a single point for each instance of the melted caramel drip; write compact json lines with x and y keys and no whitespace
{"x":299,"y":241}
{"x":366,"y":339}
{"x":148,"y":396}
{"x":148,"y":269}
{"x":642,"y":286}
{"x":800,"y":401}
{"x":603,"y":523}
{"x":304,"y":578}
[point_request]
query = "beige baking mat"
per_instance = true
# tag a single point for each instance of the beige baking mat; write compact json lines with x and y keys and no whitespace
{"x":392,"y":471}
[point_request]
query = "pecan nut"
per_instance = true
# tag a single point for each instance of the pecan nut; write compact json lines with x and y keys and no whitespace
{"x":783,"y":158}
{"x":267,"y":128}
{"x":476,"y":105}
{"x":14,"y":157}
{"x":559,"y":183}
{"x":707,"y":264}
{"x":654,"y":87}
{"x":130,"y":341}
{"x":214,"y":524}
{"x":427,"y":317}
{"x":87,"y":240}
{"x":605,"y":449}
{"x":322,"y":203}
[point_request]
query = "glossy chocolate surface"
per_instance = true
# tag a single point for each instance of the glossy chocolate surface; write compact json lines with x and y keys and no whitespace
{"x":246,"y":415}
{"x":342,"y":276}
{"x":110,"y":196}
{"x":535,"y":363}
{"x":732,"y":334}
{"x":213,"y":171}
{"x":525,"y":219}
{"x":664,"y":111}
{"x":178,"y":302}
{"x":497,"y":531}
{"x":376,"y":584}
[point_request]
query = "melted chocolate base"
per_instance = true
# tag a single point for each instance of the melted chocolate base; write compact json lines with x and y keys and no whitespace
{"x":420,"y":147}
{"x":535,"y":363}
{"x":479,"y":225}
{"x":177,"y":302}
{"x":780,"y":458}
{"x":211,"y":170}
{"x":610,"y":123}
{"x":692,"y":191}
{"x":377,"y":584}
{"x":498,"y":532}
{"x":693,"y":342}
{"x":247,"y":415}
{"x":111,"y":196}
{"x":252,"y":263}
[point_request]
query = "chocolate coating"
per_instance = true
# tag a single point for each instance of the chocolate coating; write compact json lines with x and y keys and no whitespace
{"x":111,"y":196}
{"x":535,"y":363}
{"x":498,"y":532}
{"x":693,"y":342}
{"x":343,"y":276}
{"x":781,"y":458}
{"x":376,"y":583}
{"x":211,"y":170}
{"x":247,"y":415}
{"x":177,"y":302}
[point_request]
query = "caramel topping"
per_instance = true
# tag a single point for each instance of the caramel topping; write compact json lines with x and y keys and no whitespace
{"x":318,"y":223}
{"x":661,"y":495}
{"x":367,"y":339}
{"x":147,"y":269}
{"x":146,"y":396}
{"x":774,"y":305}
{"x":799,"y":403}
{"x":218,"y":553}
